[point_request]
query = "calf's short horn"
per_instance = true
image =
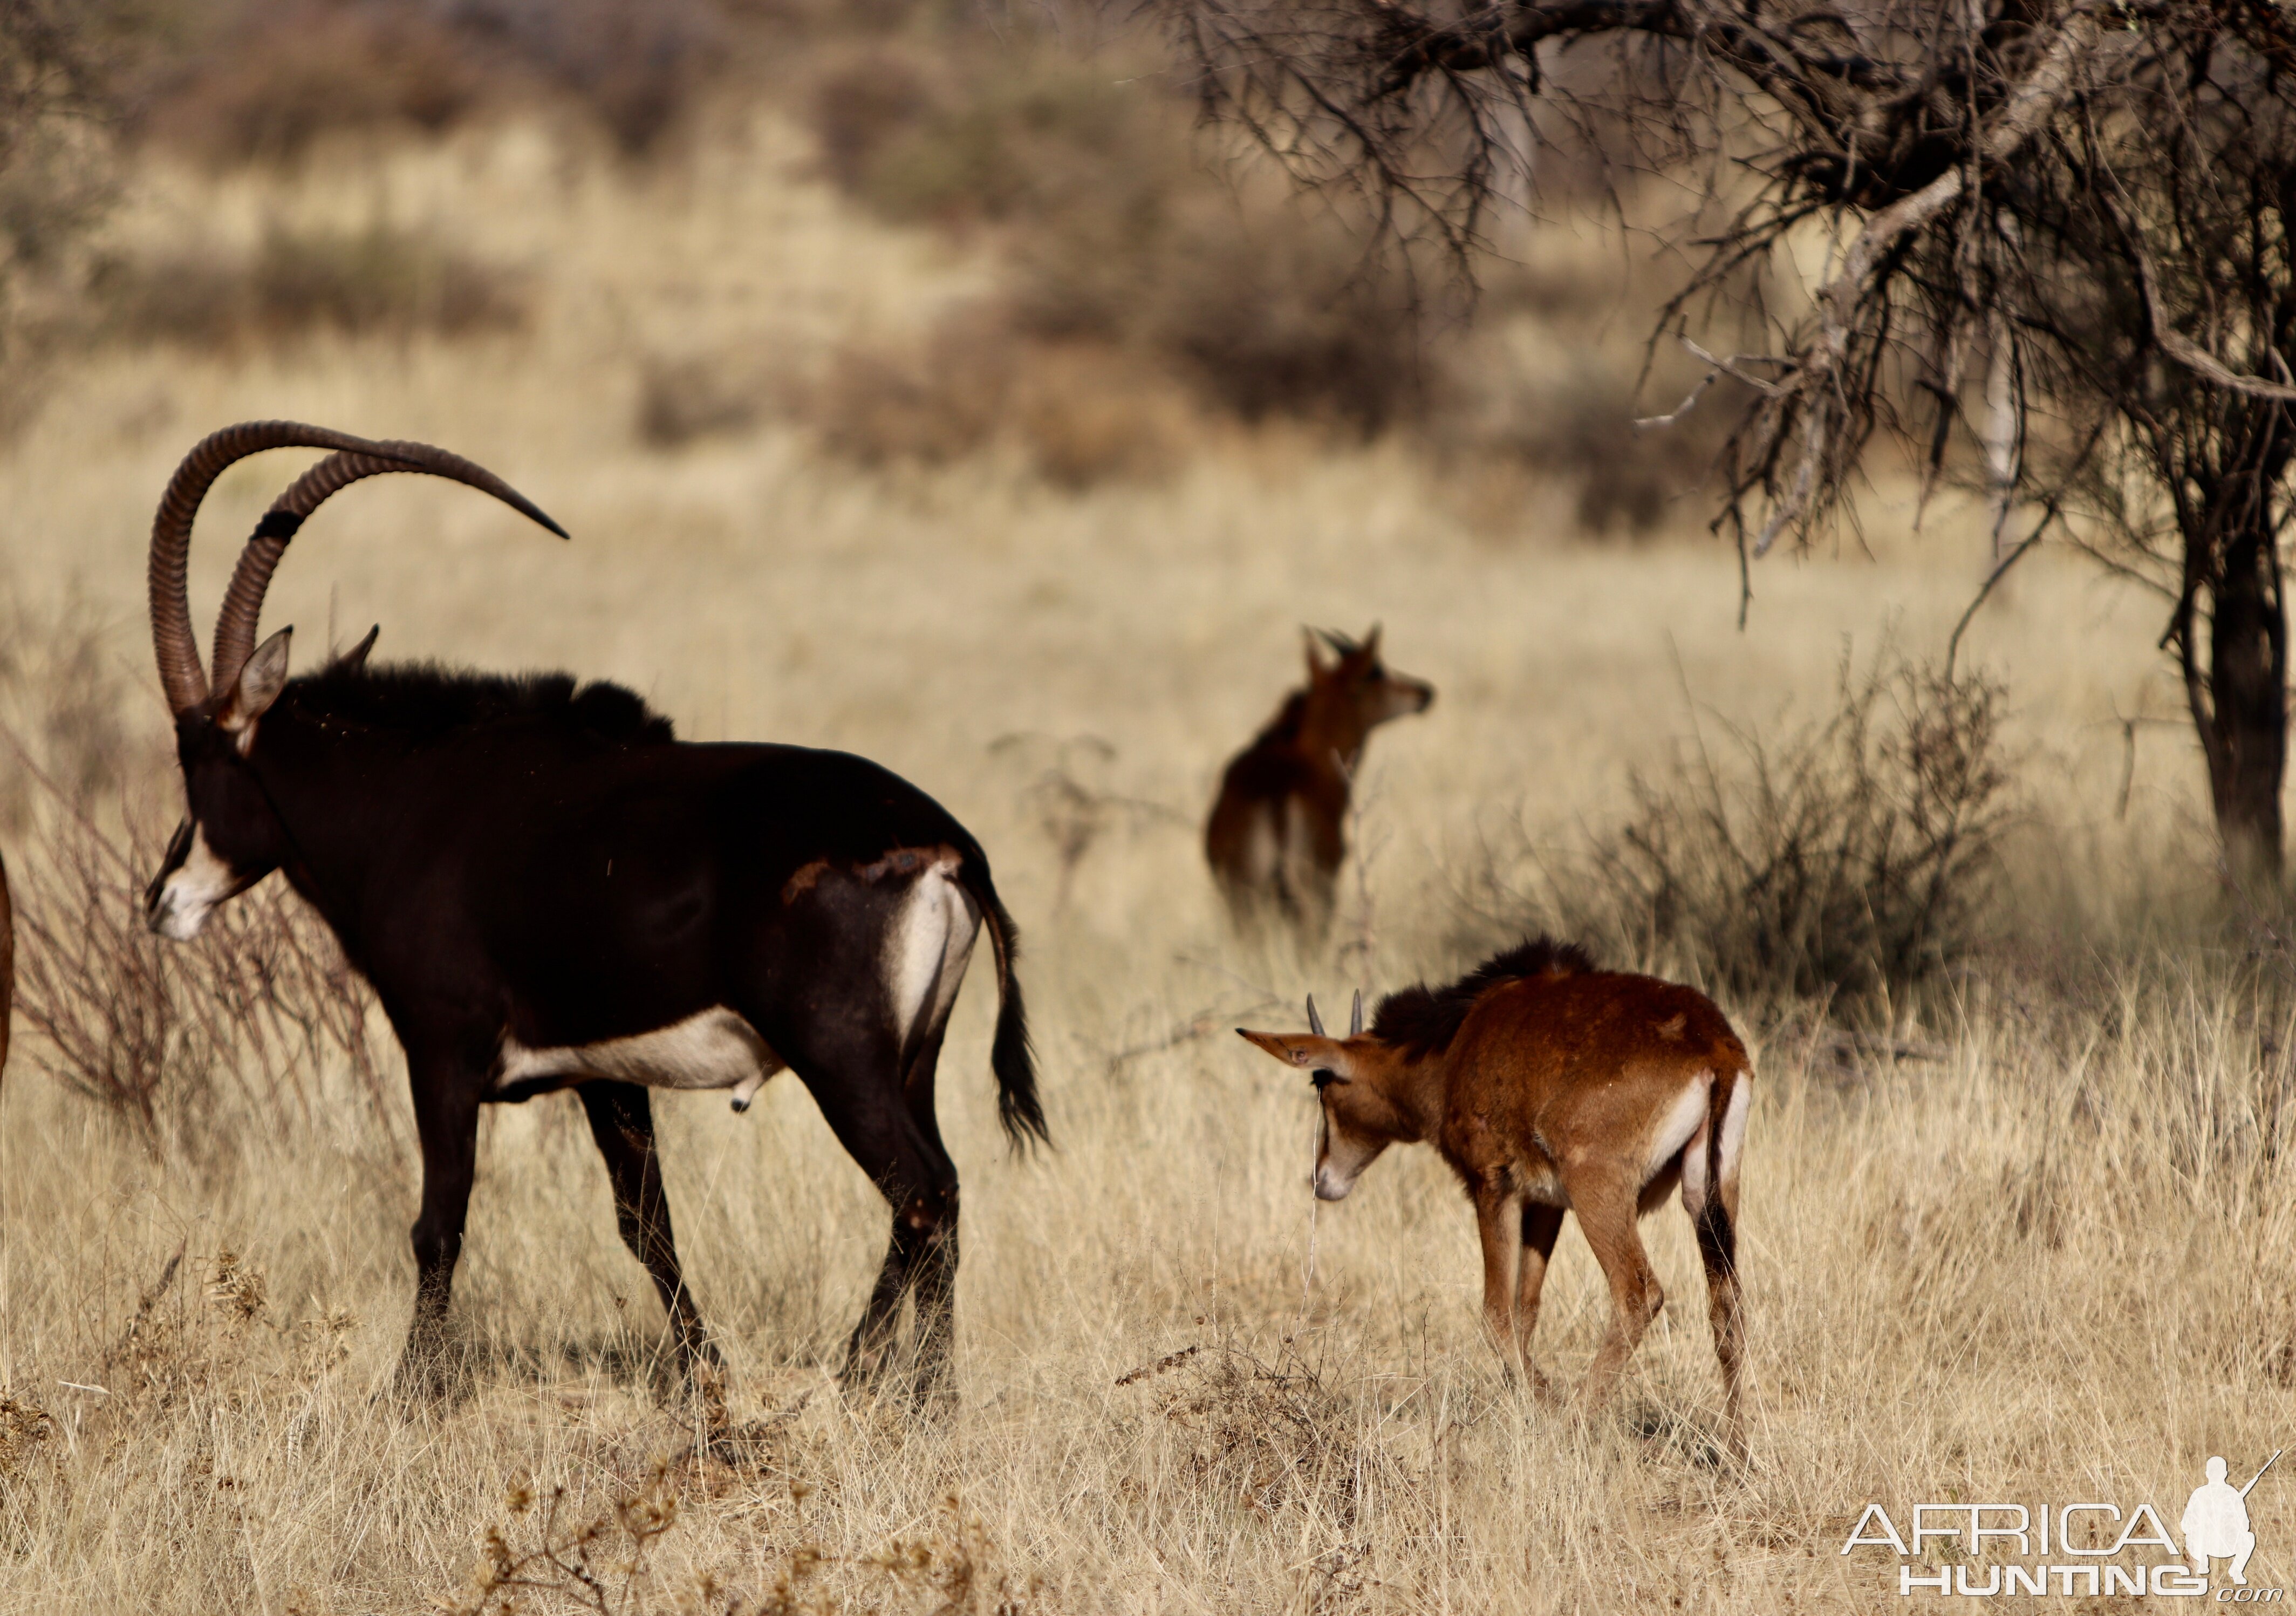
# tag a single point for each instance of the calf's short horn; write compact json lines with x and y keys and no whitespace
{"x":1354,"y":1021}
{"x":1314,"y":1022}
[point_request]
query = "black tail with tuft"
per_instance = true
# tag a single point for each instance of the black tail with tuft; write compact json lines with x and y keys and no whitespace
{"x":1010,"y":1055}
{"x":1718,"y":1237}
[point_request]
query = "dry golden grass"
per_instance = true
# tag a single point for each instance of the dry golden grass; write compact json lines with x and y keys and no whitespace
{"x":2053,"y":1261}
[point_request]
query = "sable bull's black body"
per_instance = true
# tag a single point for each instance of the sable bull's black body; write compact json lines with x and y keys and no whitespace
{"x":548,"y":891}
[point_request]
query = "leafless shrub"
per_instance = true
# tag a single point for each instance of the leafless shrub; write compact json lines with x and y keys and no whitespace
{"x":862,"y":104}
{"x":58,"y":685}
{"x":1077,"y":414}
{"x":1121,"y":240}
{"x":265,"y":79}
{"x":1580,"y":428}
{"x":1859,"y":855}
{"x":380,"y":280}
{"x":634,"y":66}
{"x":256,"y":1020}
{"x":62,"y":63}
{"x":272,"y":78}
{"x":685,"y":400}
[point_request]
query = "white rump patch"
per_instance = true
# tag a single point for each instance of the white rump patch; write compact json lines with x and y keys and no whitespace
{"x":927,"y":948}
{"x":1733,"y":1126}
{"x":193,"y":889}
{"x":1733,"y":1138}
{"x":715,"y":1049}
{"x":1674,"y":1129}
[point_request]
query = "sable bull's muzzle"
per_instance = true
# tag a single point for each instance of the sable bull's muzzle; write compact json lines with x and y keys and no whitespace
{"x":191,"y":883}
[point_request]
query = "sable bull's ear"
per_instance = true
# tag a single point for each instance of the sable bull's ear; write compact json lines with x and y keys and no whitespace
{"x":355,"y":656}
{"x":260,"y":679}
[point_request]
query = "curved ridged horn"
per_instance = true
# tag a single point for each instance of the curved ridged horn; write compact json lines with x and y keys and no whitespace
{"x":1314,"y":1022}
{"x":243,"y":602}
{"x":172,"y":640}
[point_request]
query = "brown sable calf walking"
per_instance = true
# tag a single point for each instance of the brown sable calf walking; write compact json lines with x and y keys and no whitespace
{"x":1277,"y":832}
{"x":1550,"y":1086}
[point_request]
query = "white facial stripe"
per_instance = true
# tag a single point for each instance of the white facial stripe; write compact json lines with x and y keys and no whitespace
{"x":193,"y":889}
{"x":715,"y":1049}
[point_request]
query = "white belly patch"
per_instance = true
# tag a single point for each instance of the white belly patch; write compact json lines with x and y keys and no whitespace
{"x":715,"y":1049}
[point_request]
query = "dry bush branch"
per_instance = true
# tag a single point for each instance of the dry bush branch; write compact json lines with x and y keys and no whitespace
{"x":1849,"y":863}
{"x":260,"y":1023}
{"x":2096,"y":192}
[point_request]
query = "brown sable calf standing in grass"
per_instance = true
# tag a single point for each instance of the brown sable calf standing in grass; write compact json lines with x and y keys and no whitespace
{"x":1549,"y":1087}
{"x":1277,"y":832}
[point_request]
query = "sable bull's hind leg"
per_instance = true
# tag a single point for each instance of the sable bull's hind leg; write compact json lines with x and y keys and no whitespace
{"x":871,"y":1074}
{"x":920,"y":1182}
{"x":621,"y":1121}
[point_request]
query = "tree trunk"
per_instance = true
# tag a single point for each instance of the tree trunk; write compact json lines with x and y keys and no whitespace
{"x":2244,"y":730}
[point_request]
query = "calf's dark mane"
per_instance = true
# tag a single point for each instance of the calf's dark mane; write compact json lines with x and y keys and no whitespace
{"x":427,"y":697}
{"x":1422,"y":1020}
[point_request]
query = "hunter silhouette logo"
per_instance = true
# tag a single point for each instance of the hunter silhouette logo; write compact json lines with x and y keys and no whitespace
{"x":2216,"y":1521}
{"x":2099,"y":1549}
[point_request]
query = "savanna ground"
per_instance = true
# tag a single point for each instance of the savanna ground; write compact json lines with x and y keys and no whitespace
{"x":2027,"y":1238}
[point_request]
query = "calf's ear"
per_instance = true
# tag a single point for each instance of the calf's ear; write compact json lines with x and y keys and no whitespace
{"x":260,"y":682}
{"x":1291,"y":1052}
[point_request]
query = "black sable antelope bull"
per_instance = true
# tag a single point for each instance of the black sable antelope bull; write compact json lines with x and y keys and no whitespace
{"x":547,"y":891}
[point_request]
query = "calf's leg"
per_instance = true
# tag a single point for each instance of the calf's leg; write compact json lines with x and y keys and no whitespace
{"x":1540,"y":1225}
{"x":1498,"y":1226}
{"x":1606,"y":1208}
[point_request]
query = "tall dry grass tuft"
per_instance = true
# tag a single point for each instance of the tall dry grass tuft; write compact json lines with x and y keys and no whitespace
{"x":379,"y":280}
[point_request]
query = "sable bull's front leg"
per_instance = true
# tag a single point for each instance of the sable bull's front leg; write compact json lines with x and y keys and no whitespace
{"x":447,"y":1121}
